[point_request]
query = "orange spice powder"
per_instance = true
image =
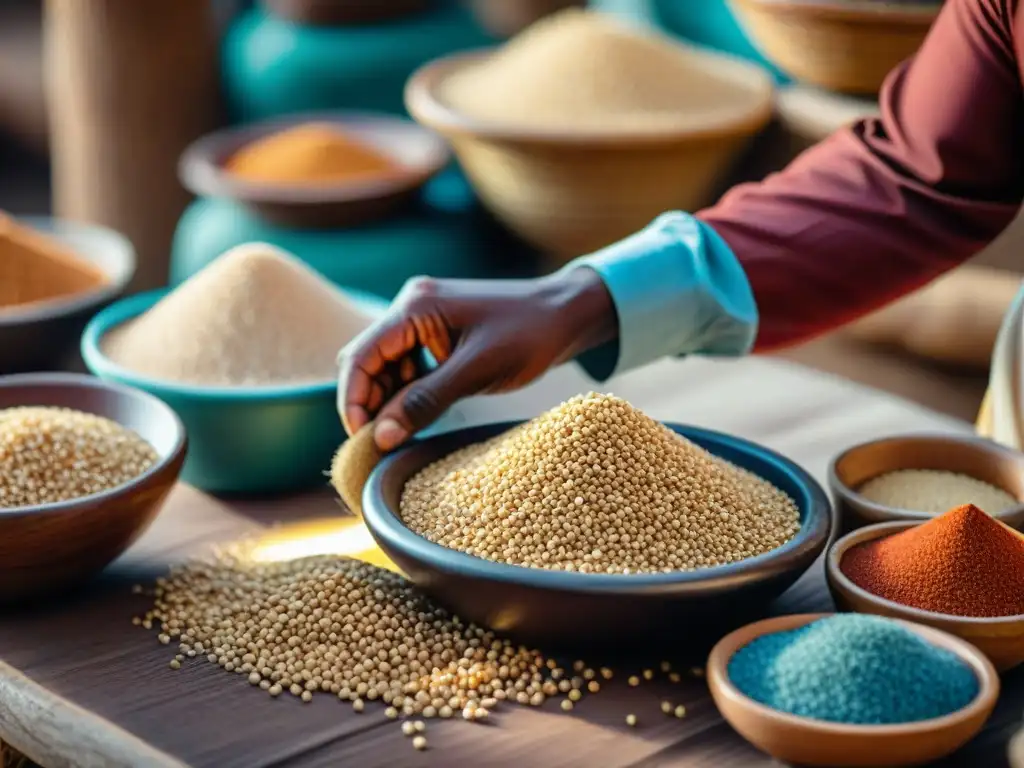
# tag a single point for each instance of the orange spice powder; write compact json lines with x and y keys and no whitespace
{"x":963,"y":563}
{"x":310,"y":154}
{"x":36,"y":268}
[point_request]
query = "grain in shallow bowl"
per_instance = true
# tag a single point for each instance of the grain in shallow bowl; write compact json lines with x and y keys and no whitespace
{"x":571,"y":192}
{"x":48,"y":548}
{"x":265,"y":439}
{"x":806,"y":741}
{"x":559,"y":609}
{"x":418,"y":154}
{"x":44,"y":335}
{"x":840,"y":45}
{"x":967,"y":455}
{"x":1001,"y":638}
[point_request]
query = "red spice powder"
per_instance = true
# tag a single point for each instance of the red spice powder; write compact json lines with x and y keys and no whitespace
{"x":963,"y":563}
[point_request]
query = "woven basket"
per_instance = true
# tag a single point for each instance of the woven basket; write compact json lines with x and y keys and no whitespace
{"x":842,"y":45}
{"x":567,"y":193}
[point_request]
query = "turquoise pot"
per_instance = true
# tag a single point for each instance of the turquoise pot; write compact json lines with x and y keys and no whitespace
{"x":448,"y":235}
{"x":241,"y":440}
{"x":273,"y":67}
{"x":710,"y":23}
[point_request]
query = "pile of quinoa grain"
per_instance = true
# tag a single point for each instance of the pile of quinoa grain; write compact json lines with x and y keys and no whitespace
{"x":583,"y":70}
{"x":335,"y":625}
{"x":595,"y":486}
{"x":256,"y":316}
{"x":56,"y":454}
{"x":934,"y":491}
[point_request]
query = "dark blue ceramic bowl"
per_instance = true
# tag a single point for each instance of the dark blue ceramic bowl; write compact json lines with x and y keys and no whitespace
{"x":562,"y":609}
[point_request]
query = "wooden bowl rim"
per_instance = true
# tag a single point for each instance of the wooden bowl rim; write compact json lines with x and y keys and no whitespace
{"x":855,"y":499}
{"x":52,"y":309}
{"x":130,"y":307}
{"x":424,"y":105}
{"x":386,"y":526}
{"x":842,"y":582}
{"x":84,"y":381}
{"x":201,"y":171}
{"x":726,"y":648}
{"x":918,"y":13}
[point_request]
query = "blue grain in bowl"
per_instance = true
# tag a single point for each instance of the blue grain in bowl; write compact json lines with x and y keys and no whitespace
{"x":264,"y":439}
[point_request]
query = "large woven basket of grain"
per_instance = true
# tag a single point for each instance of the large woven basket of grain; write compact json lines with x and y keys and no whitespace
{"x":580,"y":130}
{"x":841,"y":45}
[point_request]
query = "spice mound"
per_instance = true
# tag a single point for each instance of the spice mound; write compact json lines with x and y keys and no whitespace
{"x":35,"y":268}
{"x":314,"y":153}
{"x":855,"y":669}
{"x":934,"y":491}
{"x":256,"y":316}
{"x":595,"y":486}
{"x":582,"y":70}
{"x":344,"y":627}
{"x":963,"y":563}
{"x":56,"y":454}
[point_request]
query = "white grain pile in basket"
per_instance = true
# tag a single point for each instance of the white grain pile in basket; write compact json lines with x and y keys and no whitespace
{"x":254,"y":317}
{"x":583,"y":70}
{"x":595,"y":486}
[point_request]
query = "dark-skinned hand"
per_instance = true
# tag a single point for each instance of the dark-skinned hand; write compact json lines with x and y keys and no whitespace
{"x":487,"y":336}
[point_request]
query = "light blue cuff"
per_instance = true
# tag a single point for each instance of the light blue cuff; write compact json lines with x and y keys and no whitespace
{"x":678,"y":289}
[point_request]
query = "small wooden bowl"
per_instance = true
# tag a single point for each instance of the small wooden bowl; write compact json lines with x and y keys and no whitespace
{"x":562,"y":609}
{"x":49,"y":548}
{"x":967,"y":455}
{"x":804,"y":741}
{"x":343,"y":12}
{"x":840,"y":45}
{"x":417,"y":151}
{"x":44,"y":335}
{"x":570,"y":192}
{"x":1000,"y":638}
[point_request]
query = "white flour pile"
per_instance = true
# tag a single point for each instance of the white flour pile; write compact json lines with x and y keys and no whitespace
{"x":256,"y":316}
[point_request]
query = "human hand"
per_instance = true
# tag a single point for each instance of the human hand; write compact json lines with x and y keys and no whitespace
{"x":487,"y":336}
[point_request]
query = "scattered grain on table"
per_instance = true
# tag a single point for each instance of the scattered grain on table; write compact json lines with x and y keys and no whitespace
{"x":586,"y":71}
{"x":935,"y":491}
{"x":35,"y":267}
{"x":962,"y":563}
{"x":343,"y":627}
{"x":256,"y":316}
{"x":56,"y":454}
{"x":596,"y":486}
{"x":310,"y":154}
{"x":851,"y":668}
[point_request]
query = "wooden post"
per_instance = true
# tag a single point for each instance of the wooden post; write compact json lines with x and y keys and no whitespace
{"x":129,"y":85}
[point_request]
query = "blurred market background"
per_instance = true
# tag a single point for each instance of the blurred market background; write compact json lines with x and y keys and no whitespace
{"x":99,"y":99}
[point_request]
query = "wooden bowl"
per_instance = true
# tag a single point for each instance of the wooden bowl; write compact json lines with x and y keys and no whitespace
{"x":49,"y":548}
{"x":559,"y":609}
{"x":44,"y":335}
{"x":805,"y":741}
{"x":571,"y":192}
{"x":419,"y":152}
{"x":1000,"y":638}
{"x":973,"y":456}
{"x":343,"y":12}
{"x":840,"y":45}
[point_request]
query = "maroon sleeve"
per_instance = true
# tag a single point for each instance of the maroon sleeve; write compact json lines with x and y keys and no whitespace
{"x":882,"y":208}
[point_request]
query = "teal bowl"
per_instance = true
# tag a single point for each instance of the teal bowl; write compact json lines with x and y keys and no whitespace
{"x":242,"y":440}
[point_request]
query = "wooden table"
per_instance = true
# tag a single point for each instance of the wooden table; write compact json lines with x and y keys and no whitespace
{"x":79,"y":685}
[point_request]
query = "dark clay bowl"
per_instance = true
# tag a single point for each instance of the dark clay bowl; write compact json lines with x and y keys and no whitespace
{"x":49,"y":548}
{"x":558,"y":609}
{"x":44,"y":335}
{"x":343,"y":12}
{"x":418,"y":151}
{"x":973,"y":456}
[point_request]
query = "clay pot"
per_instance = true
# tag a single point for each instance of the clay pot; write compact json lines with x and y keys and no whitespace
{"x":505,"y":18}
